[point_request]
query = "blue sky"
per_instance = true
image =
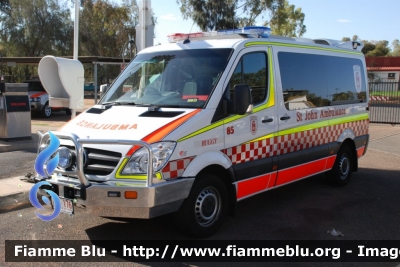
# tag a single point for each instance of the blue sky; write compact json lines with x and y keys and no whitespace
{"x":332,"y":19}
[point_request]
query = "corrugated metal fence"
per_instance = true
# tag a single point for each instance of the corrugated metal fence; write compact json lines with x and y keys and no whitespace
{"x":384,"y":105}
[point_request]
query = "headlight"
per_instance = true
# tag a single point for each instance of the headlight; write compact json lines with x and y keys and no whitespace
{"x":35,"y":99}
{"x":162,"y":151}
{"x":65,"y":158}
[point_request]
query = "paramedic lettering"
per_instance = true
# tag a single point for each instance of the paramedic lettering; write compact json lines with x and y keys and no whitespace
{"x":105,"y":126}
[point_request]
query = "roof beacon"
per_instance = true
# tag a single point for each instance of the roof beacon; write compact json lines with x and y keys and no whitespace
{"x":248,"y":31}
{"x":263,"y":32}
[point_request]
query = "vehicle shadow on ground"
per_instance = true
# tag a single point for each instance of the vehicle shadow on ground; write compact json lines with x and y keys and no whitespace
{"x":305,"y":210}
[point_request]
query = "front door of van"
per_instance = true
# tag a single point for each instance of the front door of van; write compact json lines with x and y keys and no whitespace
{"x":248,"y":138}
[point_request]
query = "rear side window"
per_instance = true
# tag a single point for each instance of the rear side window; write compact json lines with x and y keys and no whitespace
{"x":310,"y":81}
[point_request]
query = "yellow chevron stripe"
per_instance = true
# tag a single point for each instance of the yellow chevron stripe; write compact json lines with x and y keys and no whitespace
{"x":132,"y":176}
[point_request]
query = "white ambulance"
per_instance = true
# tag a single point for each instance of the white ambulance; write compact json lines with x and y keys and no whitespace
{"x":194,"y":126}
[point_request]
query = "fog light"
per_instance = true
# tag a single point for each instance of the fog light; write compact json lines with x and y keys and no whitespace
{"x":113,"y":194}
{"x":65,"y":156}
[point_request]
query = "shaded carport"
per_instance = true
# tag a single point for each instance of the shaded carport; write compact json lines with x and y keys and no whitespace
{"x":13,"y":61}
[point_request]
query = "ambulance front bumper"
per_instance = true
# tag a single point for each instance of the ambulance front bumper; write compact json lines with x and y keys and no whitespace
{"x":109,"y":199}
{"x":36,"y":106}
{"x":125,"y":198}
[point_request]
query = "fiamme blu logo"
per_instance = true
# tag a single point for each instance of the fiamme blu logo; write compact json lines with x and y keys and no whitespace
{"x":45,"y":165}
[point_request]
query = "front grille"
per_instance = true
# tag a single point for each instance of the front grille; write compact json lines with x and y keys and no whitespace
{"x":97,"y":161}
{"x":100,"y":162}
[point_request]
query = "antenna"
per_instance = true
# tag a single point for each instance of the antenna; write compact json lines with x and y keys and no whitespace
{"x":187,"y":39}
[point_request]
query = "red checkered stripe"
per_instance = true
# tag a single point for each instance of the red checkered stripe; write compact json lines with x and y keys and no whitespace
{"x":292,"y":142}
{"x":175,"y":168}
{"x":379,"y":98}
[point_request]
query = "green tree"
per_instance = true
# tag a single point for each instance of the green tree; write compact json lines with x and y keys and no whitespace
{"x":253,"y":9}
{"x":5,"y":8}
{"x":33,"y":28}
{"x":133,"y":15}
{"x":104,"y":28}
{"x":373,"y":48}
{"x":376,"y":48}
{"x":218,"y":15}
{"x":210,"y":14}
{"x":287,"y":20}
{"x":36,"y":28}
{"x":367,"y":47}
{"x":396,"y":48}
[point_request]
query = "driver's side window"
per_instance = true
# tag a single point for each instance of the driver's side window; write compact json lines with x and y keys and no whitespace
{"x":251,"y":70}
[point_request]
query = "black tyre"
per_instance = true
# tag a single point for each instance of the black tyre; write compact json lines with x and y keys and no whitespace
{"x":46,"y":111}
{"x":342,"y":168}
{"x":68,"y":111}
{"x":204,"y":211}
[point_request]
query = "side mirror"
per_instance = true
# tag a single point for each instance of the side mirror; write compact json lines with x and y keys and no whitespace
{"x":243,"y":100}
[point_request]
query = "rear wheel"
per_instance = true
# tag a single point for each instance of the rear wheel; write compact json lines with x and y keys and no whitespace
{"x":342,"y":168}
{"x":46,"y":111}
{"x":204,"y":211}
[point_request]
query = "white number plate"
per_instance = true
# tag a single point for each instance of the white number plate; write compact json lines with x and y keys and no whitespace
{"x":67,"y":206}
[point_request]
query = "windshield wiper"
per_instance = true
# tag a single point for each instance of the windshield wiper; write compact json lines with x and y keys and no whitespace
{"x":153,"y":107}
{"x":127,"y":103}
{"x":110,"y":103}
{"x":107,"y":105}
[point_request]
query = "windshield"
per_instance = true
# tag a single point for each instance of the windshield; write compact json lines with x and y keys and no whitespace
{"x":35,"y":86}
{"x":183,"y":78}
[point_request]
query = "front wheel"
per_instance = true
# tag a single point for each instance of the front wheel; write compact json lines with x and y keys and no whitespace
{"x":204,"y":211}
{"x":46,"y":111}
{"x":342,"y":168}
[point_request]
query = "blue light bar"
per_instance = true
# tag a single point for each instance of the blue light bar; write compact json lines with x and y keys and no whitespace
{"x":259,"y":30}
{"x":251,"y":31}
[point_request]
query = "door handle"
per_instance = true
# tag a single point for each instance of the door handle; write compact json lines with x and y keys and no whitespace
{"x":284,"y":118}
{"x":267,"y":120}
